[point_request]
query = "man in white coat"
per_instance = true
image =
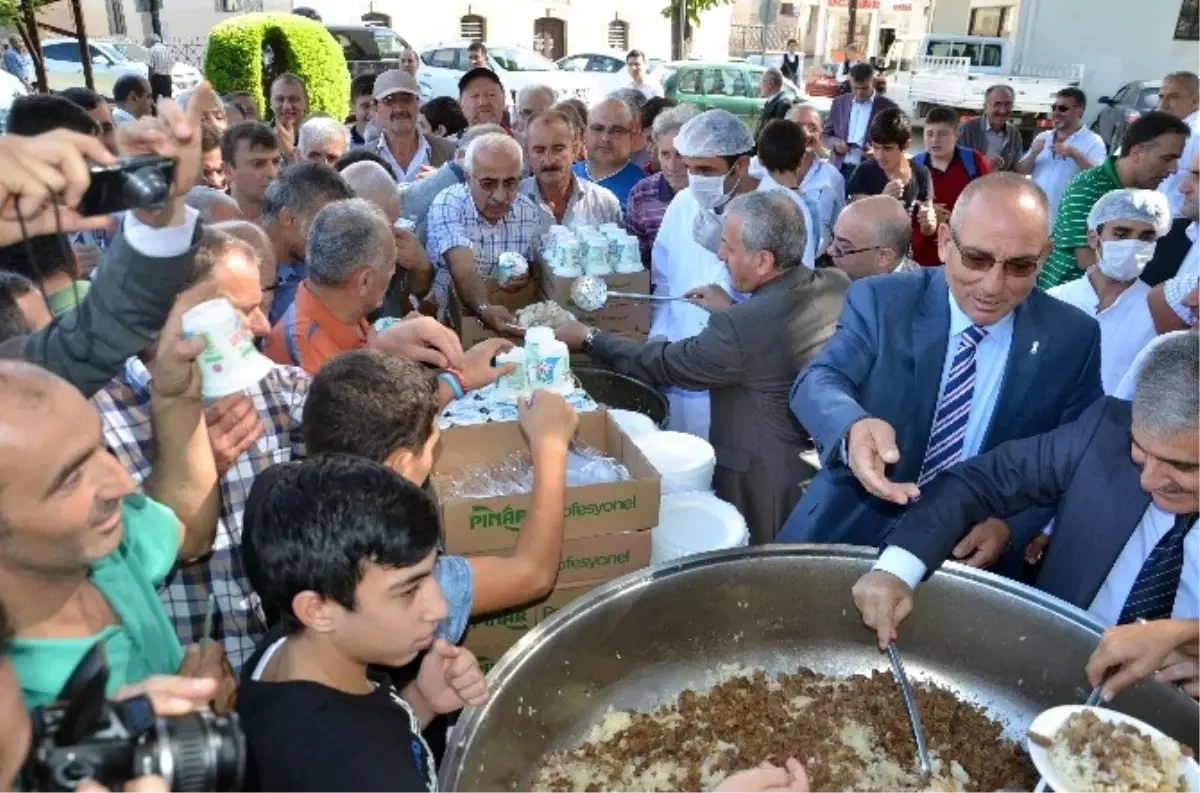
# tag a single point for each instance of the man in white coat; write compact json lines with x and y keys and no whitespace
{"x":716,"y":148}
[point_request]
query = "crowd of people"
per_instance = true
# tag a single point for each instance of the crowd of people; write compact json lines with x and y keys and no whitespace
{"x":1003,"y":330}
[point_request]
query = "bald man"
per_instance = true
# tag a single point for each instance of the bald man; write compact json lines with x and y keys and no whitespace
{"x":414,"y":272}
{"x":932,"y":367}
{"x":214,"y":205}
{"x":609,"y":141}
{"x":872,"y":237}
{"x":253,"y":235}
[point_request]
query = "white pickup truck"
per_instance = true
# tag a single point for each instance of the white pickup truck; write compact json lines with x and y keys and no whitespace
{"x":956,"y":71}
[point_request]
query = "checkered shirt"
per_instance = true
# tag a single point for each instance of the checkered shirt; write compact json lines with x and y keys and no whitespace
{"x":124,"y":407}
{"x":454,"y":222}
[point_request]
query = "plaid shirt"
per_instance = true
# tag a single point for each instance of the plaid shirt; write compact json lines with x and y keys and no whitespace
{"x":648,"y":202}
{"x":454,"y":222}
{"x":124,"y":407}
{"x":160,"y":59}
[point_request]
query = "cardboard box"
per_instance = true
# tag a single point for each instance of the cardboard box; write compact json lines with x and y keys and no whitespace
{"x":474,"y":525}
{"x":603,"y":557}
{"x":470,"y":329}
{"x":627,"y":317}
{"x":491,"y":638}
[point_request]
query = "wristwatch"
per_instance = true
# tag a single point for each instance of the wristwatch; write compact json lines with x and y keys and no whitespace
{"x":482,"y":307}
{"x":589,"y":337}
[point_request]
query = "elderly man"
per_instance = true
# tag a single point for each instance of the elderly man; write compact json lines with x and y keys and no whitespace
{"x":291,"y":204}
{"x":1056,"y":155}
{"x":715,"y":147}
{"x":1123,"y":483}
{"x":323,"y":140}
{"x":289,"y":106}
{"x":471,"y":224}
{"x":562,"y":196}
{"x":639,"y":142}
{"x":873,"y":236}
{"x":1123,"y":228}
{"x":850,"y":118}
{"x":160,"y":61}
{"x":608,"y":138}
{"x":414,"y":273}
{"x":482,"y":97}
{"x":993,"y":134}
{"x":770,"y":88}
{"x":132,"y":98}
{"x":410,"y":154}
{"x":1150,"y":151}
{"x":250,"y":154}
{"x":649,"y":198}
{"x":213,"y":205}
{"x":253,"y":235}
{"x":418,"y":198}
{"x":934,"y":367}
{"x":351,"y":261}
{"x":1179,"y":95}
{"x":533,"y":100}
{"x":758,"y":443}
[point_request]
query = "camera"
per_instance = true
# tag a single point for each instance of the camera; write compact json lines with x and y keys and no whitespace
{"x":142,"y":181}
{"x":83,"y":735}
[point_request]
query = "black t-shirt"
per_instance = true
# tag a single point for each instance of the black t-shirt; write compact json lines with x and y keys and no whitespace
{"x":870,"y":179}
{"x":308,"y":737}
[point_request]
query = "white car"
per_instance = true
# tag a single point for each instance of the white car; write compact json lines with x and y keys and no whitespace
{"x":606,"y":70}
{"x":442,"y":65}
{"x":10,"y":89}
{"x":111,"y":60}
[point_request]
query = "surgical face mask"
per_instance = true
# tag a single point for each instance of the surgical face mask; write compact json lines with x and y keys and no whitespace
{"x":1124,"y":260}
{"x":708,"y":190}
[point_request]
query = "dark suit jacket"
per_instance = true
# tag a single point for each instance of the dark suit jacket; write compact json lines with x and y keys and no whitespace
{"x":747,"y":358}
{"x":837,"y":123}
{"x":1168,"y":254}
{"x":1082,"y":469}
{"x":886,"y":361}
{"x":776,"y":107}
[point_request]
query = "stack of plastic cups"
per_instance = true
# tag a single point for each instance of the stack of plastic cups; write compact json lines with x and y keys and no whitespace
{"x":629,"y":256}
{"x":595,"y":255}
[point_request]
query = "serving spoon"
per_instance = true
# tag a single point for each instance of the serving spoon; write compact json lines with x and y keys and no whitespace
{"x":910,"y":704}
{"x":591,"y":293}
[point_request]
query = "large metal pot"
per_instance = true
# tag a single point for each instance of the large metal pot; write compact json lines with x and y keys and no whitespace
{"x":623,"y":392}
{"x":638,"y":641}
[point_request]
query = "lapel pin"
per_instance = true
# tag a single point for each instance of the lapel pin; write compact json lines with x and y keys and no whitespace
{"x":1033,"y":349}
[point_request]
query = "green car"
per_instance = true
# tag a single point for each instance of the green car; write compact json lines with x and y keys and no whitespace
{"x":729,"y":86}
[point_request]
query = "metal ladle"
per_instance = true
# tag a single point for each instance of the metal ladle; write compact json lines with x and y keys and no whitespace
{"x":910,"y":704}
{"x":591,"y":293}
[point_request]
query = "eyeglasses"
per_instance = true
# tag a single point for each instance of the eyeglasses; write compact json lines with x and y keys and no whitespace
{"x":839,"y":250}
{"x":981,"y":261}
{"x":612,"y":132}
{"x":489,"y":185}
{"x":1062,"y":108}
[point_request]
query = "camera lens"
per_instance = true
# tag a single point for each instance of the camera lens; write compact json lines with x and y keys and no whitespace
{"x":145,"y":188}
{"x":196,"y":752}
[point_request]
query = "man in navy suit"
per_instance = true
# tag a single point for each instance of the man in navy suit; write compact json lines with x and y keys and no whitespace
{"x":1124,"y":481}
{"x":929,"y":368}
{"x":850,"y":117}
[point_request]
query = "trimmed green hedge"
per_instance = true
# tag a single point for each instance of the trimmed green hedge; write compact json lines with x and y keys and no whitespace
{"x":234,"y":61}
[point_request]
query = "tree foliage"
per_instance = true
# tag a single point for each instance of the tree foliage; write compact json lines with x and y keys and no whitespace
{"x":694,"y":8}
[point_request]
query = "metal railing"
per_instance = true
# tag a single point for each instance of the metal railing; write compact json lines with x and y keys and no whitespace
{"x":190,"y":51}
{"x":749,"y":39}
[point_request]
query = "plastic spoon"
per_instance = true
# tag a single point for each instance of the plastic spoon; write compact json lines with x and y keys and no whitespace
{"x":591,"y":293}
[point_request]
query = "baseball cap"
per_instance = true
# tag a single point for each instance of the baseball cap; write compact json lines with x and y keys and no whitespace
{"x":395,"y":81}
{"x":478,"y":71}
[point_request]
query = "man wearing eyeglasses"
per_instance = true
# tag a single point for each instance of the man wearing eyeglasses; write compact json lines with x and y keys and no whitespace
{"x":609,"y":136}
{"x":934,"y":367}
{"x":873,"y":236}
{"x":1056,"y":155}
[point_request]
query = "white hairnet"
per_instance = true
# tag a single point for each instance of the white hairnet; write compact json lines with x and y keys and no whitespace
{"x":714,"y":133}
{"x":1148,"y":206}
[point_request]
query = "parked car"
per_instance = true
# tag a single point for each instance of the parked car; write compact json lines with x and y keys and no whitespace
{"x":822,"y":80}
{"x":1122,"y":109}
{"x":730,"y":86}
{"x":443,"y":64}
{"x":607,"y":69}
{"x":110,"y":61}
{"x":369,"y":49}
{"x":10,"y":89}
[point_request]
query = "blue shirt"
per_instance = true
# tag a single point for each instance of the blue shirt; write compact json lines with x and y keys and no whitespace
{"x":991,"y":356}
{"x":457,"y":581}
{"x":287,"y":279}
{"x":15,"y":63}
{"x":620,"y":183}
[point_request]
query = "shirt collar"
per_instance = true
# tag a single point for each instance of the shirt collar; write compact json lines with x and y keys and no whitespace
{"x":1192,"y":118}
{"x":959,"y":321}
{"x":866,"y":102}
{"x":135,"y":374}
{"x":665,"y":193}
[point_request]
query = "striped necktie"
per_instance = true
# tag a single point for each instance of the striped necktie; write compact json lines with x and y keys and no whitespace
{"x":954,"y":409}
{"x":1154,"y":590}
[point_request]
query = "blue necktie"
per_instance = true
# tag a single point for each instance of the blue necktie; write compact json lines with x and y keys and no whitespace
{"x":953,"y":410}
{"x":1154,"y":590}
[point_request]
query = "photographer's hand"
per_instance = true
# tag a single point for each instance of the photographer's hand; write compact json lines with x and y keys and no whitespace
{"x":143,"y":784}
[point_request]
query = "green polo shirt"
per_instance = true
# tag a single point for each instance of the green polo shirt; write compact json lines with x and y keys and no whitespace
{"x":67,"y":298}
{"x":144,"y":642}
{"x":1070,"y":227}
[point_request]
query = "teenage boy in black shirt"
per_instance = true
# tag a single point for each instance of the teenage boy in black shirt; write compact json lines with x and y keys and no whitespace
{"x":341,"y":550}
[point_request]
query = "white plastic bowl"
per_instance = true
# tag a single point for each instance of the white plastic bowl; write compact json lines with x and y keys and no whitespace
{"x":684,"y":461}
{"x":632,"y":423}
{"x":691,"y":523}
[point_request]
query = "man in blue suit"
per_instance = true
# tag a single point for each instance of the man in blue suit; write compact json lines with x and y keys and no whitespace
{"x":929,"y":368}
{"x":1124,"y":483}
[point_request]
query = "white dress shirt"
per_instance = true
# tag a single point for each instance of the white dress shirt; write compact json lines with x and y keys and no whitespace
{"x":1126,"y":326}
{"x":856,"y":132}
{"x":811,"y":226}
{"x":1153,"y":526}
{"x":827,"y":187}
{"x":991,"y":357}
{"x":1051,"y":172}
{"x":409,"y":174}
{"x":1128,"y":383}
{"x":1170,"y":185}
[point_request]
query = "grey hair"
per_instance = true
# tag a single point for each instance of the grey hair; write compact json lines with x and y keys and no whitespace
{"x":1004,"y":181}
{"x":203,"y":199}
{"x":999,"y":87}
{"x":529,"y":90}
{"x":304,"y":188}
{"x":345,"y":237}
{"x":1189,"y":80}
{"x":672,"y":119}
{"x":471,"y":133}
{"x":491,"y":141}
{"x":371,"y":181}
{"x":773,"y":76}
{"x":1166,"y":399}
{"x":321,"y":129}
{"x":632,"y":98}
{"x":771,"y":222}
